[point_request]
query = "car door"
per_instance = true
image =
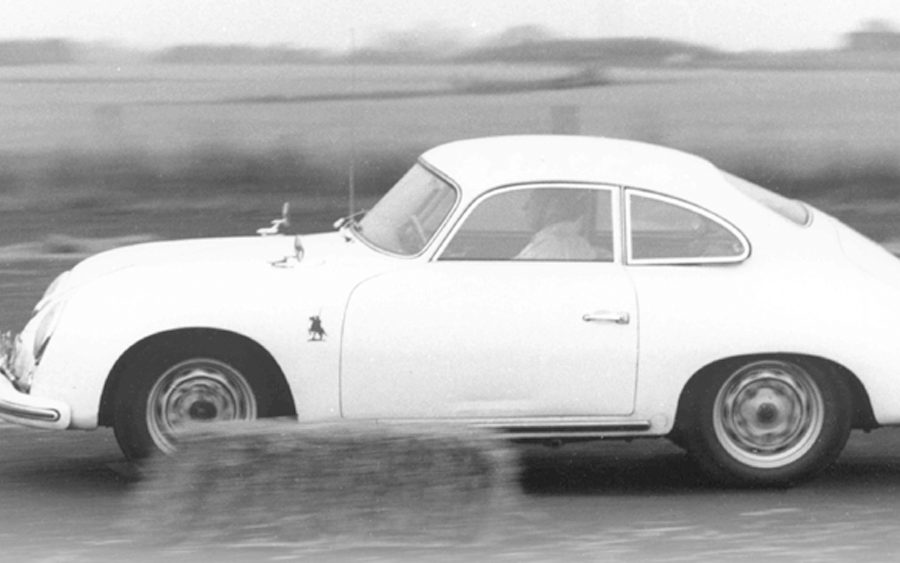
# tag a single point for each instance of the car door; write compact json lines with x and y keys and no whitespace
{"x":700,"y":301}
{"x":512,"y":319}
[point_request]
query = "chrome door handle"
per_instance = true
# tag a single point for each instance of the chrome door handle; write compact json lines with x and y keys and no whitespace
{"x":618,"y":317}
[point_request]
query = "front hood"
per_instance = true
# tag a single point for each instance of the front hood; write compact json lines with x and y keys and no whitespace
{"x":318,"y":248}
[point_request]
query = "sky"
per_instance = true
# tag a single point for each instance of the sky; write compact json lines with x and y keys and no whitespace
{"x":340,"y":24}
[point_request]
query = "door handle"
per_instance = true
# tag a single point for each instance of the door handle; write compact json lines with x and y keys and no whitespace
{"x":618,"y":317}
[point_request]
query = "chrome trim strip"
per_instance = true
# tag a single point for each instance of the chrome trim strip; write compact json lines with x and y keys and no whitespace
{"x":640,"y":426}
{"x":31,"y":413}
{"x":615,"y":199}
{"x":631,"y":192}
{"x":548,"y":427}
{"x":563,"y":436}
{"x":618,"y":317}
{"x":436,"y":236}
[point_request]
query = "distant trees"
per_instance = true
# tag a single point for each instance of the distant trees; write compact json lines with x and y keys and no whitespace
{"x":435,"y":42}
{"x":520,"y":35}
{"x":527,"y":44}
{"x":873,"y":35}
{"x":604,"y":52}
{"x":37,"y":52}
{"x":427,"y":40}
{"x":236,"y":54}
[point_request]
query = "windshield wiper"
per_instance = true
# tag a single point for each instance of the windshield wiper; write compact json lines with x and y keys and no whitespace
{"x":350,"y":221}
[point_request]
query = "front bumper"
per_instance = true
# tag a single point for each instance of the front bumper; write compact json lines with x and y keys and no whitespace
{"x":28,"y":410}
{"x":16,"y":360}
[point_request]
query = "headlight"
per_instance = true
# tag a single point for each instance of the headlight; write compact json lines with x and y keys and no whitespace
{"x":46,"y":326}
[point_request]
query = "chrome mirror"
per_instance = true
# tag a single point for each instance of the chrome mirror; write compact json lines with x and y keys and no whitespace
{"x":278,"y":226}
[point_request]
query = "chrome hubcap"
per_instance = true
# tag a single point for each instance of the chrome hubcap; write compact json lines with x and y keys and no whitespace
{"x":196,"y":391}
{"x":768,"y":414}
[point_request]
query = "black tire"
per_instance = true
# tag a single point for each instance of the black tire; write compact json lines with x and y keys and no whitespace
{"x":677,"y":438}
{"x":767,"y":422}
{"x":172,"y":384}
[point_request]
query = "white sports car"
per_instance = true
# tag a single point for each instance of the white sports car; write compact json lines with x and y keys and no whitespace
{"x":554,"y":288}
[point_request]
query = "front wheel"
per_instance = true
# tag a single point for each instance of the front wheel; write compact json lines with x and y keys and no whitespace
{"x":768,"y":422}
{"x":176,"y":390}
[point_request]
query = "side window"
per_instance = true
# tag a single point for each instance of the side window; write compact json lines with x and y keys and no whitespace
{"x":538,"y":224}
{"x":662,"y":230}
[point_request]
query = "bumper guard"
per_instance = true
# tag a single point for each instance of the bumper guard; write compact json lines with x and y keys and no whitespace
{"x":28,"y":410}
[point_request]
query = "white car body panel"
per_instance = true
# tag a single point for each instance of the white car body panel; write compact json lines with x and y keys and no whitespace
{"x":183,"y":295}
{"x":490,"y":340}
{"x":414,"y":338}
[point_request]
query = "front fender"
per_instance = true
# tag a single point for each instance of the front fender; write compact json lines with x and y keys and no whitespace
{"x":271,"y":306}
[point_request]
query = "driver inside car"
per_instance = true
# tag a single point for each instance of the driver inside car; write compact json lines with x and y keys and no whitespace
{"x":558,"y":218}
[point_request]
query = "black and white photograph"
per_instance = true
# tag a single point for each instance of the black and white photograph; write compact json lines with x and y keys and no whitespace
{"x":470,"y":280}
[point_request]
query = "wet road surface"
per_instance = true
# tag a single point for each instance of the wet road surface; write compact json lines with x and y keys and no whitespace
{"x":68,"y":496}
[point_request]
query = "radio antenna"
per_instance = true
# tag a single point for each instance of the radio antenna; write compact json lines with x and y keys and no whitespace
{"x":351,"y":180}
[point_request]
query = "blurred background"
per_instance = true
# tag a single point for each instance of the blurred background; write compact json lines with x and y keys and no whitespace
{"x":123,"y":121}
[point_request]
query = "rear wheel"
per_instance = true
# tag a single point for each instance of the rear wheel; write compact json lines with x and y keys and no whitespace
{"x":768,"y":422}
{"x":174,"y":388}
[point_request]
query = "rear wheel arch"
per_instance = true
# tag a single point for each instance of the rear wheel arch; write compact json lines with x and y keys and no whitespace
{"x":769,"y":419}
{"x":283,"y":404}
{"x":863,"y":416}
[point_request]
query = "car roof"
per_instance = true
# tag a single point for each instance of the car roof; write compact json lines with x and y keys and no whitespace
{"x":477,"y":165}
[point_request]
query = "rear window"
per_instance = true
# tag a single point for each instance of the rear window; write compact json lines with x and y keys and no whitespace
{"x":791,"y":209}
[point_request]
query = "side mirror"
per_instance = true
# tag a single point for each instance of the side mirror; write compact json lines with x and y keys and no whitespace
{"x":278,"y":226}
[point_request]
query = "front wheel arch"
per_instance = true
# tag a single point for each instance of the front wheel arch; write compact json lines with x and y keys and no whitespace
{"x":283,"y":404}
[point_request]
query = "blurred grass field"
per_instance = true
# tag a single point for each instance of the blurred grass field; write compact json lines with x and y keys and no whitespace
{"x":783,"y":119}
{"x":138,"y":130}
{"x":183,"y":151}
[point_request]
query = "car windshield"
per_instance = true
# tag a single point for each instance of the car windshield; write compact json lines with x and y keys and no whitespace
{"x":790,"y":209}
{"x":408,"y":216}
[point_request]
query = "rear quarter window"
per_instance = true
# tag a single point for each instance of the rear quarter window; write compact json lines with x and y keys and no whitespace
{"x":665,"y":231}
